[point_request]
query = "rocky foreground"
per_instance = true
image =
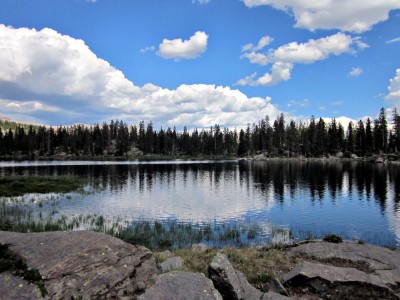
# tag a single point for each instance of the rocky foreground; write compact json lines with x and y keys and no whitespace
{"x":89,"y":265}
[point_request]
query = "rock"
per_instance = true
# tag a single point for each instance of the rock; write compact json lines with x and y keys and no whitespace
{"x":199,"y":247}
{"x":274,"y":296}
{"x":339,"y":154}
{"x":336,"y":282}
{"x":179,"y":285}
{"x":232,"y":284}
{"x":172,"y":264}
{"x":84,"y":264}
{"x":13,"y":287}
{"x":165,"y":254}
{"x":384,"y":262}
{"x":227,"y":281}
{"x":276,"y":286}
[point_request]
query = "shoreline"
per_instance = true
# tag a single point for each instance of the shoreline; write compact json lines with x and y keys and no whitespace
{"x":279,"y":271}
{"x":378,"y":158}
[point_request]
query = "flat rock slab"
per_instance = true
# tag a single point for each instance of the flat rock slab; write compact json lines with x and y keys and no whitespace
{"x":179,"y":285}
{"x":13,"y":287}
{"x":84,"y":264}
{"x":336,"y":282}
{"x":384,"y":262}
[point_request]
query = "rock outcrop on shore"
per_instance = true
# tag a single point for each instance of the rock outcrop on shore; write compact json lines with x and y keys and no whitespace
{"x":82,"y":264}
{"x":89,"y":265}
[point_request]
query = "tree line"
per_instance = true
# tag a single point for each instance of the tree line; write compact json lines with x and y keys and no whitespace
{"x":314,"y":138}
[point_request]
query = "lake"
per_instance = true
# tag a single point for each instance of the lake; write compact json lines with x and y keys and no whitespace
{"x":280,"y":201}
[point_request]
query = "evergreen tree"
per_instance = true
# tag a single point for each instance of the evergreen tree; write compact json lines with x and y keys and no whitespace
{"x":242,"y":144}
{"x":292,"y":138}
{"x":369,"y":139}
{"x":381,"y":132}
{"x":350,"y":140}
{"x":360,"y":139}
{"x":396,"y":130}
{"x":279,"y":133}
{"x":321,"y":138}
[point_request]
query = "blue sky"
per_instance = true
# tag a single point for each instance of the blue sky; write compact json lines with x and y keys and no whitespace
{"x":197,"y":63}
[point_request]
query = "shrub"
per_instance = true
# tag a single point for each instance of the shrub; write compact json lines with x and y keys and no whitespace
{"x":333,"y":238}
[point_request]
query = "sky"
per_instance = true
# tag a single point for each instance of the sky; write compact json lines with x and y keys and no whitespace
{"x":197,"y":63}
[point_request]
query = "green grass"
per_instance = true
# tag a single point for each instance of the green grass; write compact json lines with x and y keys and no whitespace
{"x":173,"y":234}
{"x":11,"y":186}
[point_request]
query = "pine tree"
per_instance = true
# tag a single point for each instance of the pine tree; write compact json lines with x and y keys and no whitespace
{"x":396,"y":130}
{"x":369,"y":139}
{"x":350,"y":139}
{"x":360,"y":139}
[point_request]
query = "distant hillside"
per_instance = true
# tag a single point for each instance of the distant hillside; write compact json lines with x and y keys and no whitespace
{"x":7,"y":124}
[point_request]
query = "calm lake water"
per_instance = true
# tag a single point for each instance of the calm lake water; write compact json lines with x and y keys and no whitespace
{"x":357,"y":200}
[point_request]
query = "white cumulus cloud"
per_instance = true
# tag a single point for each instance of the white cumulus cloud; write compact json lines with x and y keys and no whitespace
{"x":247,"y":80}
{"x":200,"y":1}
{"x":178,"y":49}
{"x":281,"y":71}
{"x":395,"y":40}
{"x":314,"y":50}
{"x":347,"y":15}
{"x":55,"y":79}
{"x":148,"y":49}
{"x":262,"y":43}
{"x":285,"y":57}
{"x":355,"y":72}
{"x":394,"y":89}
{"x":257,"y":58}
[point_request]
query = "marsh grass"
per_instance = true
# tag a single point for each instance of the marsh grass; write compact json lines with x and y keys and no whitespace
{"x":11,"y":186}
{"x":173,"y":234}
{"x":166,"y":234}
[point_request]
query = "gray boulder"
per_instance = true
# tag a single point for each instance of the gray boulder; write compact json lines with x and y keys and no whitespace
{"x":171,"y":264}
{"x":165,"y":254}
{"x":84,"y":264}
{"x":384,"y":262}
{"x":335,"y":282}
{"x":179,"y":285}
{"x":276,"y":286}
{"x":232,"y":284}
{"x":199,"y":247}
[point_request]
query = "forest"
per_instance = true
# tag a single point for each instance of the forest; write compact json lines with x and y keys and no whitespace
{"x":314,"y":138}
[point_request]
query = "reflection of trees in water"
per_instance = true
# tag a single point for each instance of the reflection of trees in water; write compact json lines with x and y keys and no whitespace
{"x":274,"y":179}
{"x":318,"y":176}
{"x":380,"y":185}
{"x":394,"y":177}
{"x":145,"y":176}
